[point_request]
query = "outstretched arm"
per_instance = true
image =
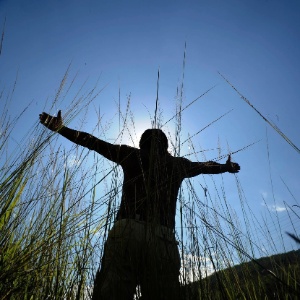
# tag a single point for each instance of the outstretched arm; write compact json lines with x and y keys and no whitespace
{"x":195,"y":168}
{"x":108,"y":150}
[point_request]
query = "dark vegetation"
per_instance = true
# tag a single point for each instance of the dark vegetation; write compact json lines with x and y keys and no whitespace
{"x":274,"y":277}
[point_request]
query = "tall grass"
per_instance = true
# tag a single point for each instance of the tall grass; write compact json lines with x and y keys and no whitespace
{"x":47,"y":214}
{"x":57,"y":205}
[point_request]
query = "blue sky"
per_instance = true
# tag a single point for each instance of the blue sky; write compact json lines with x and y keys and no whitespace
{"x":121,"y":45}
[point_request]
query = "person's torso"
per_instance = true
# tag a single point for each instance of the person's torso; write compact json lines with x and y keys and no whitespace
{"x":150,"y":188}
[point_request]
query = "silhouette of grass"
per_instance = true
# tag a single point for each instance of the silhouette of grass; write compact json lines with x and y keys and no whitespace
{"x":57,"y":205}
{"x":2,"y":37}
{"x":274,"y":126}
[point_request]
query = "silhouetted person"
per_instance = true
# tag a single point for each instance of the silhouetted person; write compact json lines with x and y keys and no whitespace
{"x":141,"y":248}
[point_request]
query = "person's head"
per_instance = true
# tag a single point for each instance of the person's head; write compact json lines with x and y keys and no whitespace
{"x":155,"y":138}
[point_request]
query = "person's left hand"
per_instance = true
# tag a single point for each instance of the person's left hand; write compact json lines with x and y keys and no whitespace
{"x":232,"y":167}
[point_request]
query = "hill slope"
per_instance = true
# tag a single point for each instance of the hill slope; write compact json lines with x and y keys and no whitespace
{"x":274,"y":277}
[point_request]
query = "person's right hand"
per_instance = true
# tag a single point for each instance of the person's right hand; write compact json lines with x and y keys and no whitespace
{"x":52,"y":123}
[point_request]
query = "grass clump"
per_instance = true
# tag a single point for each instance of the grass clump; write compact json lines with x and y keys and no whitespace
{"x":46,"y":227}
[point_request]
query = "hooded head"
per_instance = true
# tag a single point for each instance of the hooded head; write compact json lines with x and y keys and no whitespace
{"x":154,"y":138}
